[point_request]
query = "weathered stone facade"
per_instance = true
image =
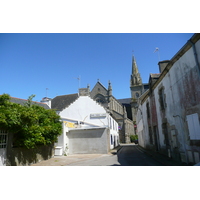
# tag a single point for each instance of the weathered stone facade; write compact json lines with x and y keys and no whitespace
{"x":104,"y":96}
{"x":169,"y":112}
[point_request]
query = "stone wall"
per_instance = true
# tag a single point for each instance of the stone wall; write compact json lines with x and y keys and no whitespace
{"x":25,"y":157}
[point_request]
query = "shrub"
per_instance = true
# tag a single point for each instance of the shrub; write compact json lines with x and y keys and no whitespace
{"x":31,"y":124}
{"x":133,"y":138}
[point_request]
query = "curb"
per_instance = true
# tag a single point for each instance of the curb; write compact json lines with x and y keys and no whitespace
{"x":115,"y":150}
{"x":161,"y":158}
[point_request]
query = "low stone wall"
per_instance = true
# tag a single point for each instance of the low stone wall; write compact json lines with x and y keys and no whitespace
{"x":25,"y":157}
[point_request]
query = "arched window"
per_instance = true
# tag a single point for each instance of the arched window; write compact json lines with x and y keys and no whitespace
{"x":100,"y":99}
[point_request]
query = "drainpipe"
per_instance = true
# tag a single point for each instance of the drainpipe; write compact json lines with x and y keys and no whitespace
{"x":195,"y":55}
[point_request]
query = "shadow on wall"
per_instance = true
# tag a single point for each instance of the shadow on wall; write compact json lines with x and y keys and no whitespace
{"x":23,"y":156}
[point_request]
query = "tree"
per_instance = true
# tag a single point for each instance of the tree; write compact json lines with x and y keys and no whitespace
{"x":31,"y":124}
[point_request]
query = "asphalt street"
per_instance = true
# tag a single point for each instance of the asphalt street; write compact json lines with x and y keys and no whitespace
{"x":128,"y":155}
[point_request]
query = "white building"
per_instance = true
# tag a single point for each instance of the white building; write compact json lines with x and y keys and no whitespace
{"x":169,"y":112}
{"x":87,"y":126}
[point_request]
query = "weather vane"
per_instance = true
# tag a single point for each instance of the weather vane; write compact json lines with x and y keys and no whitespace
{"x":157,"y":50}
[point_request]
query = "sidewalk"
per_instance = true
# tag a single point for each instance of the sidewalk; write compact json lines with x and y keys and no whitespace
{"x":166,"y":161}
{"x":67,"y":160}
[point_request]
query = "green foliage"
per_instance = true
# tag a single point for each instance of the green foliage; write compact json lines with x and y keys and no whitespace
{"x":31,"y":124}
{"x":133,"y":138}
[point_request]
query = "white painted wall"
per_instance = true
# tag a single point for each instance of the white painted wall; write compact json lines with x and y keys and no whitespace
{"x":63,"y":140}
{"x":80,"y":111}
{"x":113,"y":127}
{"x":140,"y":121}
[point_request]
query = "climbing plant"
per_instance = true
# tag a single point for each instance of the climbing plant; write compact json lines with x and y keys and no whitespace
{"x":31,"y":124}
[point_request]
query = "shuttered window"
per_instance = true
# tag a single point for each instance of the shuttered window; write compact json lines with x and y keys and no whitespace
{"x":193,"y":126}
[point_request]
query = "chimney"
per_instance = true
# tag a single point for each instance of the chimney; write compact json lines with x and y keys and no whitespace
{"x":84,"y":91}
{"x":47,"y":101}
{"x":162,"y":65}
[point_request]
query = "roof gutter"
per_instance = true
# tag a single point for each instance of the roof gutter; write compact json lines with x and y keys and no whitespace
{"x":190,"y":43}
{"x":195,"y":55}
{"x":177,"y":56}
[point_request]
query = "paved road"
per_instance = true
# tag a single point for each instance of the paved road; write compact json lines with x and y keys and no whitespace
{"x":131,"y":155}
{"x":128,"y":155}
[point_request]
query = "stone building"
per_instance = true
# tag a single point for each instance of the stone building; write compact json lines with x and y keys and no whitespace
{"x":137,"y":88}
{"x":168,"y":116}
{"x":118,"y":109}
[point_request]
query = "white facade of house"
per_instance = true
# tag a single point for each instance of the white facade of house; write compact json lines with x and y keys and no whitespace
{"x":87,"y":128}
{"x":177,"y":127}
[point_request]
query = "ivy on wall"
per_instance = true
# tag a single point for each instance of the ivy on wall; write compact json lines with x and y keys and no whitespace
{"x":31,"y":124}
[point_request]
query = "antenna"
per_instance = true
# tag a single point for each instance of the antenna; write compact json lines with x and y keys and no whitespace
{"x":46,"y":91}
{"x":79,"y":81}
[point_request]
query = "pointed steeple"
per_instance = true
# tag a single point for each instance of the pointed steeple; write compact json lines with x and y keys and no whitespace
{"x":109,"y":87}
{"x":135,"y":76}
{"x":109,"y":91}
{"x":125,"y":113}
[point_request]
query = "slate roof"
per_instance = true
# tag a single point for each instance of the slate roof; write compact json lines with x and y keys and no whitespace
{"x":155,"y":75}
{"x":125,"y":101}
{"x":61,"y":102}
{"x":23,"y":101}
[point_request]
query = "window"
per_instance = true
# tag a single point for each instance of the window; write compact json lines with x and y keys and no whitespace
{"x":162,"y":98}
{"x":165,"y":133}
{"x":3,"y":139}
{"x":137,"y":95}
{"x":101,"y":101}
{"x":111,"y":139}
{"x":150,"y":136}
{"x":148,"y":111}
{"x":193,"y":126}
{"x":174,"y":139}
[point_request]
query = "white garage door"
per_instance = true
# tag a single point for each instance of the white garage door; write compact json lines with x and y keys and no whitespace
{"x":92,"y":141}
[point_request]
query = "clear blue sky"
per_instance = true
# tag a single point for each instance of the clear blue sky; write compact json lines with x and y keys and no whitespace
{"x":30,"y":63}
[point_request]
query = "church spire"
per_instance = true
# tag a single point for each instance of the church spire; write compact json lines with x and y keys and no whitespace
{"x":109,"y":91}
{"x":135,"y":76}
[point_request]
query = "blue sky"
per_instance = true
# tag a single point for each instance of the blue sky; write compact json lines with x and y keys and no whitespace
{"x":30,"y":63}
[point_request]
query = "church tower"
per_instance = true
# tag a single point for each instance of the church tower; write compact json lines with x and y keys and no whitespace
{"x":136,"y":87}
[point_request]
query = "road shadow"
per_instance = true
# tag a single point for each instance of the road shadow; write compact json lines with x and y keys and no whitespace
{"x":130,"y":155}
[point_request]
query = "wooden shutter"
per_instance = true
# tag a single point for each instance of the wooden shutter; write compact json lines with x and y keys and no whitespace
{"x":193,"y":126}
